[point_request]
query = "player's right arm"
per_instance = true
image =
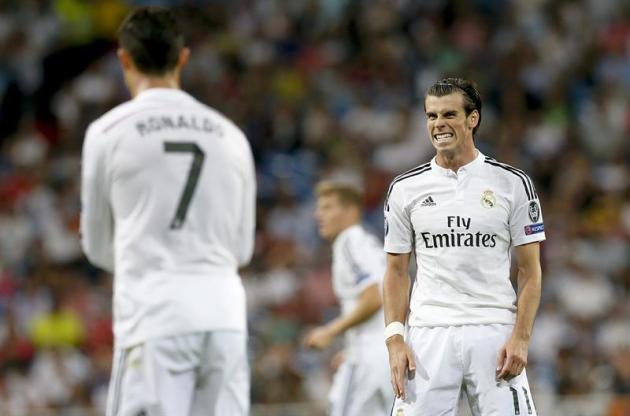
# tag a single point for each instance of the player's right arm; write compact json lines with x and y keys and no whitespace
{"x":97,"y":225}
{"x":398,"y":245}
{"x":366,"y":276}
{"x":396,"y":306}
{"x":368,"y":303}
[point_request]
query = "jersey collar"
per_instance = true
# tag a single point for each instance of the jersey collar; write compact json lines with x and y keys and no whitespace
{"x":164,"y":94}
{"x":469,"y":168}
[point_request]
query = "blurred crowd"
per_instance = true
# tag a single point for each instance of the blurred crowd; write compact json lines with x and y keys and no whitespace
{"x":323,"y":89}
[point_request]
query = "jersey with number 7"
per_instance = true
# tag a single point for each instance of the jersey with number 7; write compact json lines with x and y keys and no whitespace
{"x":168,"y":206}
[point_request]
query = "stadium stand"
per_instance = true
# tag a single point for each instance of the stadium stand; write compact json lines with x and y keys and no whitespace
{"x":323,"y":89}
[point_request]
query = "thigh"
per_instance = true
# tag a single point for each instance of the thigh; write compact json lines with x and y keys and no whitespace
{"x":156,"y":377}
{"x":223,"y":383}
{"x":486,"y":395}
{"x":435,"y":387}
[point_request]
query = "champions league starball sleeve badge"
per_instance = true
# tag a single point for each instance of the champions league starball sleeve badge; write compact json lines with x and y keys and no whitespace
{"x":534,"y":211}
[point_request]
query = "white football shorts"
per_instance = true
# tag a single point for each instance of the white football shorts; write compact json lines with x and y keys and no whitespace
{"x":455,"y":359}
{"x":361,"y":387}
{"x":205,"y":373}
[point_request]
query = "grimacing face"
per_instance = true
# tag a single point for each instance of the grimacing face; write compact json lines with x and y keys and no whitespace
{"x":330,"y":214}
{"x":448,"y":126}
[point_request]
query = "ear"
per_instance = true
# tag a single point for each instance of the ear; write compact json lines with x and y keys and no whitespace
{"x":184,"y":56}
{"x":125,"y":59}
{"x":473,"y":119}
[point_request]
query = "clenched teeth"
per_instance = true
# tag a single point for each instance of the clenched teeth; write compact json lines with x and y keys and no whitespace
{"x":443,"y":136}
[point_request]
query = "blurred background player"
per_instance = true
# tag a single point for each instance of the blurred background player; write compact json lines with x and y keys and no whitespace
{"x":168,"y":202}
{"x":460,"y":215}
{"x":360,"y":385}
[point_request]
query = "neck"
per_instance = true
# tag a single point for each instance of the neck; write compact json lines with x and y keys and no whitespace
{"x":144,"y":82}
{"x":346,"y":226}
{"x":454,"y":160}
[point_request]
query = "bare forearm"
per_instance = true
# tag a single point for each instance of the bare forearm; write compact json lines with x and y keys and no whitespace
{"x":395,"y":296}
{"x":369,"y":303}
{"x":529,"y":285}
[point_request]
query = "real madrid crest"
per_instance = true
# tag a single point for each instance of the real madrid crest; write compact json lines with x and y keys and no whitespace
{"x":488,"y":200}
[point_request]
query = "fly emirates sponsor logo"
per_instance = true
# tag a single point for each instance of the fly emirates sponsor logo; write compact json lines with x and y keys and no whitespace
{"x":459,"y":235}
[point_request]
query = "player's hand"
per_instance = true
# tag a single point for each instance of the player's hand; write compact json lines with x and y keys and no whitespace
{"x":337,"y":360}
{"x":319,"y":338}
{"x":512,"y":358}
{"x":401,"y":363}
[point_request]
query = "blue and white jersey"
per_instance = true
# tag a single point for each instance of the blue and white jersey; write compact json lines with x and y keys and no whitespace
{"x":358,"y":262}
{"x":461,"y":226}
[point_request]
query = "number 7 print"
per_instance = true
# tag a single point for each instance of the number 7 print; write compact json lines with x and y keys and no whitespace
{"x":191,"y":182}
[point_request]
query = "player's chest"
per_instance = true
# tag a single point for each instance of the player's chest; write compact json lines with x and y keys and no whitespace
{"x":468,"y":206}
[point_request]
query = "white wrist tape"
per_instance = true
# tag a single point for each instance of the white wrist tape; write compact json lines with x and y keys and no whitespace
{"x":394,"y":328}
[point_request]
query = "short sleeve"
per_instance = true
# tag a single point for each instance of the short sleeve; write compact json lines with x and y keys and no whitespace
{"x":366,"y":260}
{"x":398,"y":229}
{"x":526,"y":218}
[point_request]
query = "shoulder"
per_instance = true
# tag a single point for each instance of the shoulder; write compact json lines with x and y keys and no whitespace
{"x":346,"y":240}
{"x":235,"y":139}
{"x":408,"y":179}
{"x":358,"y":239}
{"x":116,"y":116}
{"x":514,"y":176}
{"x":354,"y":235}
{"x":347,"y":250}
{"x":230,"y":128}
{"x":97,"y":130}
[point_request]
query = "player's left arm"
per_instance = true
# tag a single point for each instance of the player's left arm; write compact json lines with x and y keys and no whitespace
{"x":513,"y":355}
{"x":97,"y":224}
{"x":247,"y":220}
{"x":368,"y":304}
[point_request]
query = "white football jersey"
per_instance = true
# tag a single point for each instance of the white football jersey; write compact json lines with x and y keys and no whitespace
{"x":358,"y":262}
{"x":461,"y":227}
{"x":168,"y":206}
